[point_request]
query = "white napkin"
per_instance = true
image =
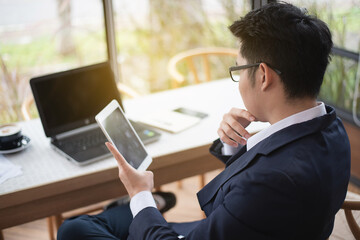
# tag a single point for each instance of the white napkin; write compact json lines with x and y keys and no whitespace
{"x":8,"y":169}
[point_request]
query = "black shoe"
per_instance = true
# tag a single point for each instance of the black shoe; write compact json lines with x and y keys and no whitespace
{"x":118,"y":202}
{"x":164,"y":200}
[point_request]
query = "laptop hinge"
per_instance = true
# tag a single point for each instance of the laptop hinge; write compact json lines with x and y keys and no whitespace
{"x":74,"y":132}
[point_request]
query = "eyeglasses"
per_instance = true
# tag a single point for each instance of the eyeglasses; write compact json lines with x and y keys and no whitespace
{"x":238,"y":68}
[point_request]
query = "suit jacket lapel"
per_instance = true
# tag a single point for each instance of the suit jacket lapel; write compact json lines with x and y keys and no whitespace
{"x":237,"y":163}
{"x":236,"y":156}
{"x":242,"y":159}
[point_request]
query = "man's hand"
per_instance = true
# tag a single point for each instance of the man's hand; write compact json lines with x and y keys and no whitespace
{"x":134,"y":181}
{"x":232,"y":127}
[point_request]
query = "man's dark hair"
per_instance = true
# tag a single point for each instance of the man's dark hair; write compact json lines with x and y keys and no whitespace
{"x":289,"y":40}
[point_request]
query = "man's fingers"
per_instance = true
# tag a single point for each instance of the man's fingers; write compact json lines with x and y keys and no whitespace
{"x":134,"y":181}
{"x":232,"y":139}
{"x":237,"y":130}
{"x":230,"y":132}
{"x":119,"y":158}
{"x":226,"y":139}
{"x":150,"y":175}
{"x":231,"y":126}
{"x":241,"y":113}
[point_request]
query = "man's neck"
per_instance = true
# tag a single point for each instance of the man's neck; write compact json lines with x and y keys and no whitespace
{"x":291,"y":107}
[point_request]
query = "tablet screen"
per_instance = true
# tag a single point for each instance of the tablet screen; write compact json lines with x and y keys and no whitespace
{"x":124,"y":138}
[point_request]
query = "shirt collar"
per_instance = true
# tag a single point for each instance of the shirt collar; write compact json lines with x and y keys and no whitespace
{"x":303,"y":116}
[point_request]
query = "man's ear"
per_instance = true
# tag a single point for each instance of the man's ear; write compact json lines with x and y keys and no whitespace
{"x":266,"y":77}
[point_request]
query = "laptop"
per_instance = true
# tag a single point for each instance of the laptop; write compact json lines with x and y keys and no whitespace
{"x":67,"y":103}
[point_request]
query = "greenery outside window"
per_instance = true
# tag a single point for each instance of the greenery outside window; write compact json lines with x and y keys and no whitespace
{"x":150,"y":32}
{"x":44,"y":36}
{"x":339,"y":86}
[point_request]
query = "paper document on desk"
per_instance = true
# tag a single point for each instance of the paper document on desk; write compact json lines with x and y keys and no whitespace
{"x":170,"y":121}
{"x":8,"y":169}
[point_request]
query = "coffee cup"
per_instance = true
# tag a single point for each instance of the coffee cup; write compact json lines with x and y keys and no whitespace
{"x":10,"y":137}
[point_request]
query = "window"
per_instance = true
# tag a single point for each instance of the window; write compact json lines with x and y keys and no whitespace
{"x":339,"y":86}
{"x":341,"y":16}
{"x":150,"y":32}
{"x":45,"y":36}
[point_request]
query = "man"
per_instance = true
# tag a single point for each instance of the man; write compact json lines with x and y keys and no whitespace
{"x":286,"y":182}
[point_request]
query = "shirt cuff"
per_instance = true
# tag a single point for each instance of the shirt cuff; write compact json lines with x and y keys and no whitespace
{"x":140,"y":201}
{"x":228,"y":150}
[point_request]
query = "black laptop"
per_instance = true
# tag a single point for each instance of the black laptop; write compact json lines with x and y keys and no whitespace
{"x":67,"y":103}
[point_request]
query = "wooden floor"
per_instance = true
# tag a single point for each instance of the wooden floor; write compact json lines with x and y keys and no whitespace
{"x":186,"y":209}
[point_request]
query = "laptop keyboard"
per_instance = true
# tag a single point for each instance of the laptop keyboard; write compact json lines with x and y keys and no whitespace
{"x":82,"y":142}
{"x":94,"y":140}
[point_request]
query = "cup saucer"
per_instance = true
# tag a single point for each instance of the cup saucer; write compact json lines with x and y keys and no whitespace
{"x":24,"y":141}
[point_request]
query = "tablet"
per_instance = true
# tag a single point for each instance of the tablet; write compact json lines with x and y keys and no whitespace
{"x":122,"y":135}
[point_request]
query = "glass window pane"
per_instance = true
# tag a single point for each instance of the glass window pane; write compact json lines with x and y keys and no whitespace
{"x":150,"y":32}
{"x":338,"y":88}
{"x":45,"y":36}
{"x":342,"y":17}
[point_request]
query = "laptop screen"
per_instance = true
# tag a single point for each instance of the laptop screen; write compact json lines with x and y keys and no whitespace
{"x":71,"y":99}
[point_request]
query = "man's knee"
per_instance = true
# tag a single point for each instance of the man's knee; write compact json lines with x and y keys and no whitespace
{"x":75,"y":228}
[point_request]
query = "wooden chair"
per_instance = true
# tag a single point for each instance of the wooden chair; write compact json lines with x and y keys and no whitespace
{"x":347,"y":222}
{"x":55,"y":221}
{"x":348,"y":206}
{"x":197,"y":64}
{"x":197,"y":69}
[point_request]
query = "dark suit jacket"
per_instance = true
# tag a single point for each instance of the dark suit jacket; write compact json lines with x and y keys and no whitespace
{"x":288,"y":186}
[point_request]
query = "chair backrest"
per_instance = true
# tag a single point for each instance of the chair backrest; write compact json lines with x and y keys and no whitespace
{"x":346,"y":222}
{"x":190,"y":57}
{"x":349,"y":205}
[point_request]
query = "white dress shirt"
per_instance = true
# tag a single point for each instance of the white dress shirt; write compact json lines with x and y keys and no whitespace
{"x":145,"y":199}
{"x":317,"y":111}
{"x":140,"y":201}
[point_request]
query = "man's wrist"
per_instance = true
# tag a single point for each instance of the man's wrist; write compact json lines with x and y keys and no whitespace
{"x":229,"y":150}
{"x":140,"y":201}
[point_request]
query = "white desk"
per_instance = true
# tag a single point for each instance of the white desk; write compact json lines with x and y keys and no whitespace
{"x":50,"y":184}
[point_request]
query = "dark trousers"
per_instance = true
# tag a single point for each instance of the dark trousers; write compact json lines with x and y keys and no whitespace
{"x":111,"y":224}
